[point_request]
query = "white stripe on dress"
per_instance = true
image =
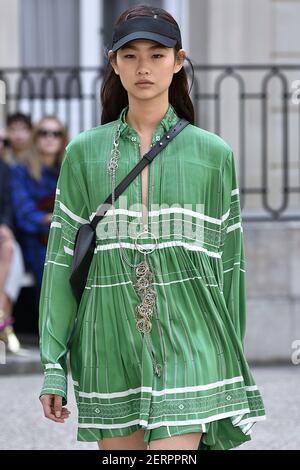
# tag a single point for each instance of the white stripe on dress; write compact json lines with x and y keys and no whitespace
{"x":193,"y":388}
{"x":71,"y":214}
{"x":154,"y":213}
{"x":188,"y":246}
{"x":53,"y":366}
{"x":55,"y":224}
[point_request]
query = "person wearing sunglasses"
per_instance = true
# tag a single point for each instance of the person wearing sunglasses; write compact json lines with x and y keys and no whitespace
{"x":33,"y":192}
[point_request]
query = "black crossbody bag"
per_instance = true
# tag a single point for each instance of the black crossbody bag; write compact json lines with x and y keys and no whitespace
{"x":85,"y":240}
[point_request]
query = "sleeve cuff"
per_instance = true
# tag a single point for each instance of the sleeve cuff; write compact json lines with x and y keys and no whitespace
{"x":55,"y":383}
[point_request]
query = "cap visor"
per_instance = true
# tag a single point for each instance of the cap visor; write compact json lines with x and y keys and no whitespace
{"x":168,"y":42}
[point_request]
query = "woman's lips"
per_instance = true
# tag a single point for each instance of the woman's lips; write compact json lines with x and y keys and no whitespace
{"x":144,"y":84}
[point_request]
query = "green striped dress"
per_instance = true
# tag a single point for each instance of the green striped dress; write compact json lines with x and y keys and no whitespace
{"x":189,"y":373}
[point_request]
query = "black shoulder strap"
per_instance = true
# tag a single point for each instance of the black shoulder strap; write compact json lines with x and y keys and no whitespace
{"x":147,"y":158}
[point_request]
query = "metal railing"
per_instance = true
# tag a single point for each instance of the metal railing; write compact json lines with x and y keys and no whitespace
{"x":260,"y":122}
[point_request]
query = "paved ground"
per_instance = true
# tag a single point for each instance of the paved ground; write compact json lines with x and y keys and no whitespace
{"x":23,"y":425}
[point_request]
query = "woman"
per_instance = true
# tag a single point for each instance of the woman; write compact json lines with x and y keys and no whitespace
{"x":33,"y":191}
{"x":184,"y":377}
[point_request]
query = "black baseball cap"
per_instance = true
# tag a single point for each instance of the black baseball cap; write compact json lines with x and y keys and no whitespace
{"x":146,"y":27}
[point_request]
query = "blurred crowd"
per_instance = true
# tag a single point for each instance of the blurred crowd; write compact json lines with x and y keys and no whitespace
{"x":30,"y":160}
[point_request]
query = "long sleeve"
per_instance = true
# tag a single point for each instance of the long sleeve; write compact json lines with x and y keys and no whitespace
{"x":233,"y":250}
{"x":57,"y":307}
{"x":28,"y":217}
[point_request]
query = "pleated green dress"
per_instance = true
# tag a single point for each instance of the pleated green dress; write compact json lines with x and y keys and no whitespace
{"x":189,"y":373}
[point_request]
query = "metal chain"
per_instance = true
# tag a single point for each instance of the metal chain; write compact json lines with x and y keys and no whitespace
{"x":144,"y":275}
{"x":112,"y":168}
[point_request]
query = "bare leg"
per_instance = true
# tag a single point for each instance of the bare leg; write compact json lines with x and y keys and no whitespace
{"x":133,"y":441}
{"x":8,"y":305}
{"x":181,"y":442}
{"x":7,"y":333}
{"x":6,"y":256}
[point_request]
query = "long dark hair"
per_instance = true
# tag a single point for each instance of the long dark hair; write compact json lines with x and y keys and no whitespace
{"x":114,"y":97}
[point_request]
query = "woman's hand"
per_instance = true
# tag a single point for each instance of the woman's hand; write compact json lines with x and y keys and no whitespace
{"x":6,"y":233}
{"x":48,"y":218}
{"x":52,"y":406}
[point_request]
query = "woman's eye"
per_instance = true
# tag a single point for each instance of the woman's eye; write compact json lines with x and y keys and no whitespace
{"x":131,"y":55}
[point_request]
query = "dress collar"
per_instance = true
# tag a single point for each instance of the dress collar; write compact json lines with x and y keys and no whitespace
{"x":169,"y":120}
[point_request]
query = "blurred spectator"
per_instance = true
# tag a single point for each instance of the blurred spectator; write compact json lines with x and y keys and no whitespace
{"x":33,"y":193}
{"x":11,"y":264}
{"x":19,"y":134}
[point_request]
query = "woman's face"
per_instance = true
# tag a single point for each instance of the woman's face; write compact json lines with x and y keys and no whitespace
{"x":49,"y":137}
{"x":145,"y":59}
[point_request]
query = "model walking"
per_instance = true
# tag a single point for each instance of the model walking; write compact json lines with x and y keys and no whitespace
{"x":157,"y":341}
